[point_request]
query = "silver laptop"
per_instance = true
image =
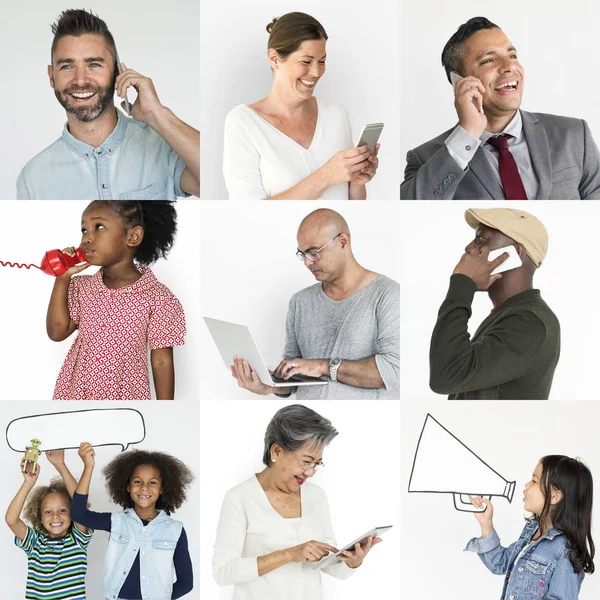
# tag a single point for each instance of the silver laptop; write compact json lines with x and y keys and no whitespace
{"x":236,"y":340}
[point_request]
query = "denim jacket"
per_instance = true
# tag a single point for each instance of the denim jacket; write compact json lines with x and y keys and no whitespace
{"x":543,"y":572}
{"x":155,"y":543}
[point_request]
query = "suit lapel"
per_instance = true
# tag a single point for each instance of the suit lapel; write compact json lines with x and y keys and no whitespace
{"x":481,"y":168}
{"x":539,"y":152}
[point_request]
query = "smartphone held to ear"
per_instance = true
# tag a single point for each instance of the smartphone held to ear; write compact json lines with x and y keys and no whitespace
{"x":512,"y":262}
{"x":120,"y":70}
{"x":454,"y":78}
{"x":370,"y":135}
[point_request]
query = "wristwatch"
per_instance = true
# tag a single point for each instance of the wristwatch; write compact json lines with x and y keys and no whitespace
{"x":334,"y":365}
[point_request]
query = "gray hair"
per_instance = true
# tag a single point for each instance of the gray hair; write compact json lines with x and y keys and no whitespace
{"x":293,"y":426}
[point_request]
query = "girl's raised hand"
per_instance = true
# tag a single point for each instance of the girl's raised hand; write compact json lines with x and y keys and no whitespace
{"x":485,"y":518}
{"x":56,"y":457}
{"x":30,"y":478}
{"x":87,"y":453}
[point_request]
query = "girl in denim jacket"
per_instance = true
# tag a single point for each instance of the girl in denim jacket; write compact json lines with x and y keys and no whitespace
{"x":555,"y":548}
{"x":147,"y":549}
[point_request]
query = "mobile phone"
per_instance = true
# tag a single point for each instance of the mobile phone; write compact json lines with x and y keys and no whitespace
{"x":127,"y":105}
{"x":454,"y":77}
{"x":370,"y":135}
{"x":512,"y":262}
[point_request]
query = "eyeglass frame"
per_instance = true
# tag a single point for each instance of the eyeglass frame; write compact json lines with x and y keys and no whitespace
{"x":312,"y":466}
{"x":305,"y":255}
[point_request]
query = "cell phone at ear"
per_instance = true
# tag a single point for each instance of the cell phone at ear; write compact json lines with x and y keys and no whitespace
{"x":512,"y":262}
{"x":120,"y":70}
{"x":454,"y":78}
{"x":370,"y":135}
{"x":56,"y":262}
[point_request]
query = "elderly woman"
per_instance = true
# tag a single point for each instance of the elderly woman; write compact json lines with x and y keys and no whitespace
{"x":276,"y":523}
{"x":289,"y":146}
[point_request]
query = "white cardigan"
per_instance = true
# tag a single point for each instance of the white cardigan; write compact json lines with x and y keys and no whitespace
{"x":259,"y":161}
{"x":250,"y":527}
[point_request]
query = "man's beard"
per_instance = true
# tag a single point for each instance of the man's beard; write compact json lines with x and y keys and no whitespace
{"x":104,"y":99}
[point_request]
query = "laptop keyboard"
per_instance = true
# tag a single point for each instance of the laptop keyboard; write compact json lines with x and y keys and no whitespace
{"x":281,"y":380}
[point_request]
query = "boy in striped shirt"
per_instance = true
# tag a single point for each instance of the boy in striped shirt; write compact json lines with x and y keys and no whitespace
{"x":56,"y":547}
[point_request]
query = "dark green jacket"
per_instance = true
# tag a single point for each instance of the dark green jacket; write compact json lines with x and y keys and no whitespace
{"x":512,"y":355}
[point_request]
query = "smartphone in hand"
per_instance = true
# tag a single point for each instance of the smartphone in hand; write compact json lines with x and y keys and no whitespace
{"x":120,"y":70}
{"x":455,"y":77}
{"x":370,"y":135}
{"x":512,"y":262}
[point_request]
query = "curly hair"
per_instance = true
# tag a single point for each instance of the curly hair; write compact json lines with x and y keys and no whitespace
{"x":33,"y":509}
{"x":174,"y":474}
{"x":158,"y":219}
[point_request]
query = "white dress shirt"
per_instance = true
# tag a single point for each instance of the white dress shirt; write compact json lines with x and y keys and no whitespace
{"x":462,"y":147}
{"x":259,"y":161}
{"x":250,"y":527}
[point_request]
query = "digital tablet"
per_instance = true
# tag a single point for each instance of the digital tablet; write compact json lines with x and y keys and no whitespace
{"x":331,"y":559}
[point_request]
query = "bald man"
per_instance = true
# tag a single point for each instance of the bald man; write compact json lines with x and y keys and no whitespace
{"x":344,"y":329}
{"x":515,"y":350}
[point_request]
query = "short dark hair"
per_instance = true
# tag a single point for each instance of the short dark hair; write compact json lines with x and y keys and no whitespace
{"x":292,"y":426}
{"x":287,"y":32}
{"x":158,"y":219}
{"x":454,"y":52}
{"x":80,"y":22}
{"x":175,"y":478}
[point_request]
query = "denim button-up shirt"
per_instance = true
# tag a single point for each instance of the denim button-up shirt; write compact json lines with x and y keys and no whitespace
{"x":543,"y":572}
{"x":133,"y":163}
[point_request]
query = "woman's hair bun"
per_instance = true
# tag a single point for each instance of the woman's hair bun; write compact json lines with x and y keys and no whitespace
{"x":269,"y":27}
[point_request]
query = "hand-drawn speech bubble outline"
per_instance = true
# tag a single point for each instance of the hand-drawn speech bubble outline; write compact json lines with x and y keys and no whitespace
{"x":51,"y":427}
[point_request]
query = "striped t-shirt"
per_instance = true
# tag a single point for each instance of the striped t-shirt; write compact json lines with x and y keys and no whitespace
{"x":56,"y":566}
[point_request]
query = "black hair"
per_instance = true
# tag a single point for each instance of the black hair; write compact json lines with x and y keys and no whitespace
{"x":175,"y":478}
{"x":454,"y":51}
{"x":158,"y":219}
{"x":573,"y":514}
{"x":80,"y":22}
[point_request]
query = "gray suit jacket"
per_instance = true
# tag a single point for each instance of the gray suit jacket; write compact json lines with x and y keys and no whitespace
{"x":563,"y":154}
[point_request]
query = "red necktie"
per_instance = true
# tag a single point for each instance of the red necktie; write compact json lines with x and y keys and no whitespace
{"x":509,"y":173}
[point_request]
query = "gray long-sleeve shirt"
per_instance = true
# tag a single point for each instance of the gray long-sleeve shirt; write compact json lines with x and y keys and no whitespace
{"x":362,"y":325}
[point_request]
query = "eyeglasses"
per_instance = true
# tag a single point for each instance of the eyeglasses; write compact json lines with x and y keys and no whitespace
{"x":314,"y":256}
{"x":308,"y":465}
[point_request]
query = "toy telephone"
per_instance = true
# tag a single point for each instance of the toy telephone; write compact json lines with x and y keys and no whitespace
{"x":55,"y":262}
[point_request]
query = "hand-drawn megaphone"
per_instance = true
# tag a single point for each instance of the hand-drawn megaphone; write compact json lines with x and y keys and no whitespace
{"x":444,"y":465}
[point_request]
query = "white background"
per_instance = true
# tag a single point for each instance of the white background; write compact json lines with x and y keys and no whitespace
{"x":250,"y":271}
{"x":556,"y":44}
{"x":30,"y":360}
{"x":180,"y":441}
{"x":362,"y":74}
{"x":155,"y":39}
{"x":433,"y":240}
{"x":511,"y":437}
{"x":360,"y":479}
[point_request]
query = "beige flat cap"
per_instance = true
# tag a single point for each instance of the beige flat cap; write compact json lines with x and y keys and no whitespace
{"x":519,"y":225}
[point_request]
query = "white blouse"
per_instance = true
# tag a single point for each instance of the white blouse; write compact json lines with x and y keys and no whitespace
{"x":259,"y":161}
{"x":250,"y":527}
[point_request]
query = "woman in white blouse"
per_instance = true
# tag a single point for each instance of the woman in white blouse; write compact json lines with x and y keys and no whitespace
{"x":289,"y":146}
{"x":273,"y":525}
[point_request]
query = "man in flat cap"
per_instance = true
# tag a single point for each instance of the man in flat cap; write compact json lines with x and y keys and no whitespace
{"x":514,"y":352}
{"x":498,"y":151}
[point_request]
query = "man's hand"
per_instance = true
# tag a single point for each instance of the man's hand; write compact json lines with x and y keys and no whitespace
{"x":470,"y":118}
{"x":475,"y":264}
{"x":248,"y":379}
{"x":311,"y":367}
{"x":147,"y":104}
{"x":56,"y":457}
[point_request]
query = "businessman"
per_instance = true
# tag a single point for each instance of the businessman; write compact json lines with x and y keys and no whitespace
{"x":498,"y":151}
{"x":515,"y":350}
{"x":344,"y":329}
{"x":103,"y":153}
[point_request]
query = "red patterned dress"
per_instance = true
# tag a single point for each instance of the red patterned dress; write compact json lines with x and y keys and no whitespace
{"x":109,"y":358}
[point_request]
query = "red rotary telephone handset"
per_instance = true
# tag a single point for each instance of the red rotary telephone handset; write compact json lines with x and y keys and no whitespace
{"x":56,"y":262}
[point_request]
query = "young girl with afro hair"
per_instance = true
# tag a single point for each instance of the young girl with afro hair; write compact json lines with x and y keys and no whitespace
{"x":146,"y":546}
{"x":56,"y":547}
{"x":120,"y":310}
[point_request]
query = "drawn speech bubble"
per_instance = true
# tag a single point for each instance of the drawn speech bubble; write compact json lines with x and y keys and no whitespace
{"x":65,"y":430}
